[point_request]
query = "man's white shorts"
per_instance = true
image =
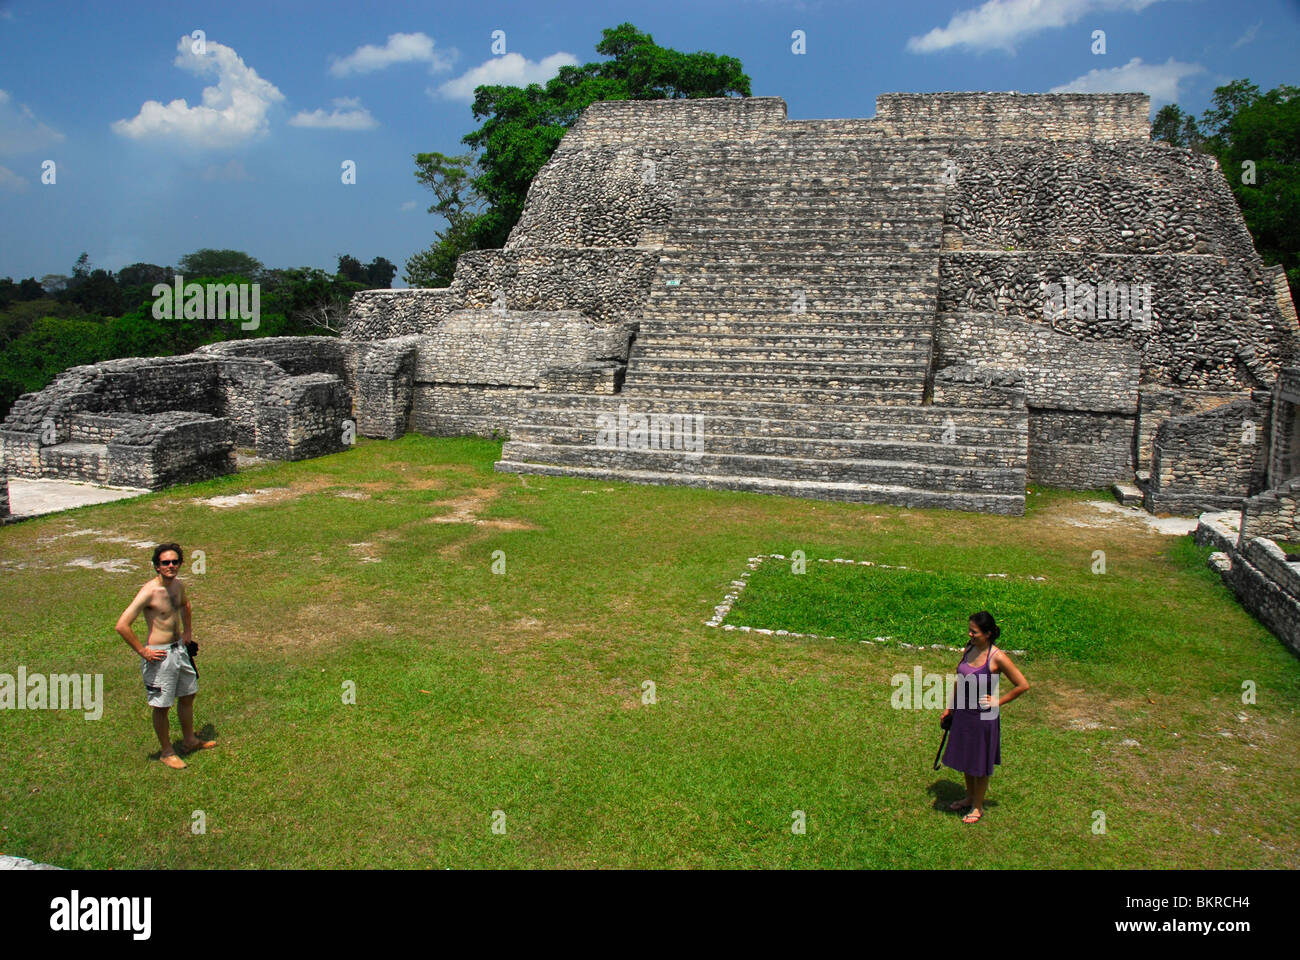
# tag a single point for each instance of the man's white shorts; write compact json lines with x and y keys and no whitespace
{"x":171,"y":677}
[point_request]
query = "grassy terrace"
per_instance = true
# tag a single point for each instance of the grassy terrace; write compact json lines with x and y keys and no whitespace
{"x":522,"y":692}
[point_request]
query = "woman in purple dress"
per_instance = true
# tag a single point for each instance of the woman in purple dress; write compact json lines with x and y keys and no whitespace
{"x":975,"y":741}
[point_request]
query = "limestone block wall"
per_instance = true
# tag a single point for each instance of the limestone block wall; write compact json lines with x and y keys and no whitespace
{"x":1269,"y":587}
{"x":1272,"y":514}
{"x":472,"y":372}
{"x":1210,"y":327}
{"x":602,"y":196}
{"x":170,"y":448}
{"x":4,"y":496}
{"x":1209,"y":461}
{"x":1016,"y":116}
{"x":1124,"y":197}
{"x":302,"y":417}
{"x":385,"y":386}
{"x":639,"y":122}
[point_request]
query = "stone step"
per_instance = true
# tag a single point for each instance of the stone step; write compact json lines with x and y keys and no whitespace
{"x":687,"y":391}
{"x":829,"y":381}
{"x":767,"y":301}
{"x":813,"y":323}
{"x":852,"y":409}
{"x":699,"y":367}
{"x":894,"y":473}
{"x":74,"y":460}
{"x":1003,"y":503}
{"x":716,"y":437}
{"x":920,"y":424}
{"x":857,"y":350}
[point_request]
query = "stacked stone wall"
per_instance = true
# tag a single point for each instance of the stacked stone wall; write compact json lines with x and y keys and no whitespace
{"x":171,"y":448}
{"x":1210,"y":461}
{"x":641,"y":122}
{"x":302,"y":417}
{"x":1269,"y":587}
{"x":1088,"y":197}
{"x":1016,"y":116}
{"x":601,"y":197}
{"x":1210,"y":326}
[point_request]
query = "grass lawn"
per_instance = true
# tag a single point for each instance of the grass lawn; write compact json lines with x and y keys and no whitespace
{"x":522,"y":692}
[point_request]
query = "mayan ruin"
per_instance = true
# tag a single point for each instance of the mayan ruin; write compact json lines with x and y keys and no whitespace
{"x":932,"y":307}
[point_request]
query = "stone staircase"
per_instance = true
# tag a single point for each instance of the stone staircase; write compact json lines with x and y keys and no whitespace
{"x":786,"y":344}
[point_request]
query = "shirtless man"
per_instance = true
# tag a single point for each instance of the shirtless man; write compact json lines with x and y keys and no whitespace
{"x":169,"y":674}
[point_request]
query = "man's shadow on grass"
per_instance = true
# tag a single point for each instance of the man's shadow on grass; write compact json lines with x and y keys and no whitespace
{"x":946,"y":791}
{"x":206,"y":732}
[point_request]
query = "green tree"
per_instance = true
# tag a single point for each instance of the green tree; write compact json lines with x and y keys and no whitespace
{"x":1176,"y":128}
{"x":350,"y":268}
{"x":1256,"y":137}
{"x":216,"y":263}
{"x":379,"y":273}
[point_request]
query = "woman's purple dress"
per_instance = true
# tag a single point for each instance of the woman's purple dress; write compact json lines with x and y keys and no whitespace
{"x":975,"y":741}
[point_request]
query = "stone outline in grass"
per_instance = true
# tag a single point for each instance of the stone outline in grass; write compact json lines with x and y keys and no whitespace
{"x":728,"y":601}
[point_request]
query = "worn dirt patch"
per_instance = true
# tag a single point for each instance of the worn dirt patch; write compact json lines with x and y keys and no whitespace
{"x":465,"y":510}
{"x":1100,"y":513}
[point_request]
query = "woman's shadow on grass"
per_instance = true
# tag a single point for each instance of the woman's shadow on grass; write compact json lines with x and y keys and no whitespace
{"x":946,"y":791}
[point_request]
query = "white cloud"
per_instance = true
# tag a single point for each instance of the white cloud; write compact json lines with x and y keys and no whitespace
{"x":348,"y":114}
{"x":410,"y":205}
{"x":1160,"y":80}
{"x":20,"y":131}
{"x":510,"y":70}
{"x":232,"y":171}
{"x":1001,"y":24}
{"x":10,"y":180}
{"x":1249,"y":35}
{"x":400,"y":48}
{"x":232,"y":113}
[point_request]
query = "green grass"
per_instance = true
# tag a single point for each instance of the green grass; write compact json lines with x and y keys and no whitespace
{"x":523,"y":692}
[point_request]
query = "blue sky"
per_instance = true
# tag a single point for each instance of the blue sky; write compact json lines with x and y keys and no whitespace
{"x":284,"y":93}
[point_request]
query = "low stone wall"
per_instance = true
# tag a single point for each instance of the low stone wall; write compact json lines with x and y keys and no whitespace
{"x":1209,"y":461}
{"x":1016,"y":116}
{"x":452,"y":410}
{"x":385,"y":386}
{"x":302,"y":417}
{"x":1272,"y":514}
{"x":1269,"y":587}
{"x":170,"y":448}
{"x":1080,"y":450}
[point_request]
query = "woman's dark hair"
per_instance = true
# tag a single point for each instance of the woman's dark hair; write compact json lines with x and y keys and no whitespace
{"x":984,"y":620}
{"x":162,"y":548}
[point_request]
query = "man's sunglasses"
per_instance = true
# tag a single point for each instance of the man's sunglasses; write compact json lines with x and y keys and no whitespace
{"x":169,"y":563}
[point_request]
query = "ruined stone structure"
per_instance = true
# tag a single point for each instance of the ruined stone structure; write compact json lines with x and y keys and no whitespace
{"x":158,"y":421}
{"x":932,"y":307}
